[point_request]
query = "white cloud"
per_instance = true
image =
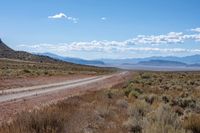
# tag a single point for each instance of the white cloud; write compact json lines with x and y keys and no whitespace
{"x":140,"y":43}
{"x":75,"y":20}
{"x":195,"y":37}
{"x":103,"y":18}
{"x":63,"y":16}
{"x":196,"y":30}
{"x":58,"y":16}
{"x":170,"y":38}
{"x":158,"y":49}
{"x":95,"y":46}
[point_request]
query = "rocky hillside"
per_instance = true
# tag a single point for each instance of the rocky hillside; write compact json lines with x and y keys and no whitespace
{"x":7,"y":52}
{"x":4,"y":49}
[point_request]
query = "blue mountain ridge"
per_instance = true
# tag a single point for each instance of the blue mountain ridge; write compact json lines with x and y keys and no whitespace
{"x":74,"y":60}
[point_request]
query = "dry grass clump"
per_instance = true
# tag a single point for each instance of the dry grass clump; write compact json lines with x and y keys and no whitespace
{"x":122,"y":103}
{"x":48,"y":120}
{"x":162,"y":120}
{"x":165,"y":116}
{"x":139,"y":108}
{"x":133,"y":125}
{"x":142,"y":119}
{"x":192,"y":123}
{"x":103,"y":111}
{"x":137,"y":113}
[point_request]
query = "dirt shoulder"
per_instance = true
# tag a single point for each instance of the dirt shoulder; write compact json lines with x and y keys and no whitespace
{"x":40,"y":80}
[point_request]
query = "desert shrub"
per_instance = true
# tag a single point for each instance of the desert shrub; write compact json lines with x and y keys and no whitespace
{"x":133,"y":125}
{"x":178,"y":110}
{"x":122,"y":103}
{"x":46,"y":73}
{"x":137,"y":113}
{"x":165,"y":87}
{"x":184,"y":102}
{"x":139,"y":109}
{"x":131,"y":90}
{"x":146,"y":76}
{"x":137,"y":81}
{"x":133,"y":93}
{"x":26,"y":71}
{"x":197,"y":88}
{"x":184,"y":94}
{"x":71,"y":72}
{"x":128,"y":89}
{"x":193,"y":123}
{"x":150,"y":98}
{"x":103,"y":111}
{"x":109,"y":94}
{"x":164,"y":120}
{"x":138,"y":90}
{"x":191,"y":82}
{"x":166,"y":116}
{"x":166,"y":98}
{"x":178,"y":87}
{"x":155,"y":127}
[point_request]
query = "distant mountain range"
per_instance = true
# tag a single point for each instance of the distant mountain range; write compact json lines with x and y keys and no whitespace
{"x":74,"y":60}
{"x":161,"y":63}
{"x":170,"y":61}
{"x":193,"y":59}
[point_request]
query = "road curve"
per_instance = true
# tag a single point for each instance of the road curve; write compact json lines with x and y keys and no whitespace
{"x":20,"y":93}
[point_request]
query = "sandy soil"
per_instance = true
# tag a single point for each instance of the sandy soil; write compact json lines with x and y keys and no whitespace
{"x":9,"y":110}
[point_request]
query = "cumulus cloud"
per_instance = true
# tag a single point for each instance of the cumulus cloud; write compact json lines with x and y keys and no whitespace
{"x":141,"y":43}
{"x":96,"y":46}
{"x":58,"y":16}
{"x":157,"y":49}
{"x":172,"y":37}
{"x":169,"y":38}
{"x":195,"y":37}
{"x":196,"y":30}
{"x":63,"y":16}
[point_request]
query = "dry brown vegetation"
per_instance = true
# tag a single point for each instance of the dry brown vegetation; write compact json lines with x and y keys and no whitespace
{"x":152,"y":102}
{"x":21,"y":69}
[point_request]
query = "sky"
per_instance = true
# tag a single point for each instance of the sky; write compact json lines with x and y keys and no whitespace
{"x":95,"y":29}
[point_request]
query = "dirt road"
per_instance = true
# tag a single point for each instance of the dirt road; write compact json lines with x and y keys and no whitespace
{"x":14,"y":94}
{"x":15,"y":101}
